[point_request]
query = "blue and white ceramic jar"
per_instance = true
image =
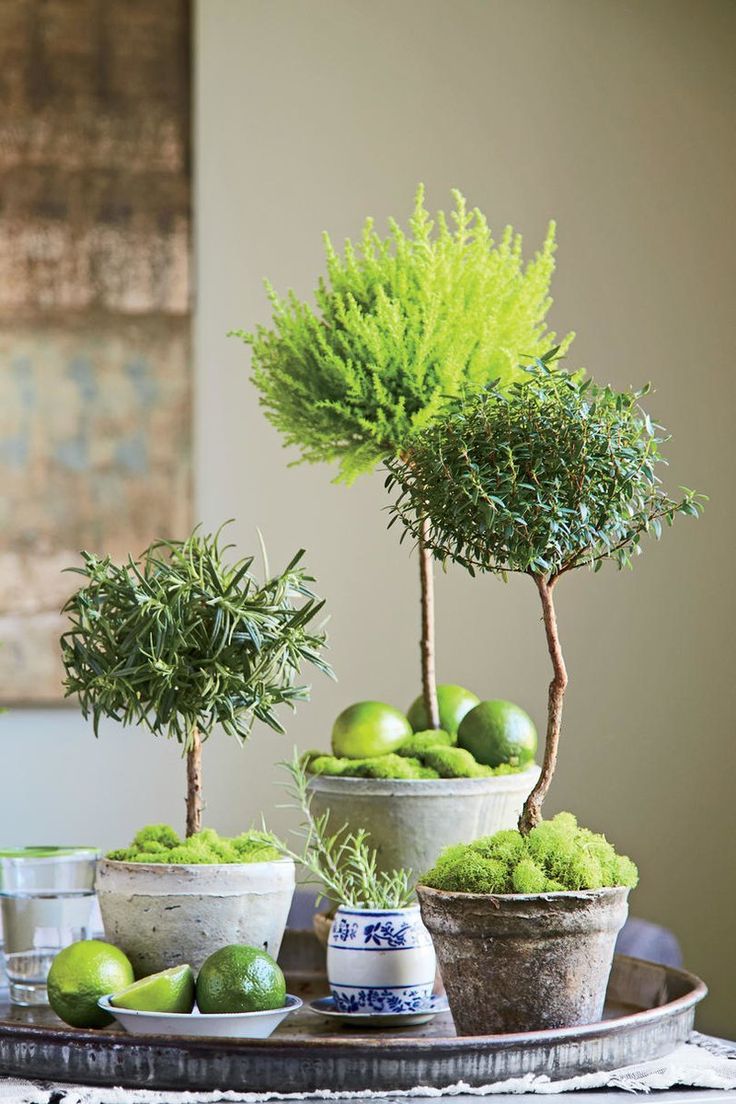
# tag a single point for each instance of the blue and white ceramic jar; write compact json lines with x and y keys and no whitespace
{"x":380,"y":960}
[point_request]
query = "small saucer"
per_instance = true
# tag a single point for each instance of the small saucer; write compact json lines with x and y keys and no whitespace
{"x":225,"y":1025}
{"x":325,"y":1006}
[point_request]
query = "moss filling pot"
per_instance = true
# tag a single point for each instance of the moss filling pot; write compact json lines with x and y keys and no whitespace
{"x":163,"y":914}
{"x":411,"y":820}
{"x":524,"y":963}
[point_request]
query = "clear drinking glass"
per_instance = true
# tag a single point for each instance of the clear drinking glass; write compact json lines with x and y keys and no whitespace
{"x":47,"y":895}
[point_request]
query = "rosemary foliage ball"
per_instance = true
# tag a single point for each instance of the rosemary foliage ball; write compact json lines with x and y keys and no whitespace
{"x":400,"y":324}
{"x":551,"y":474}
{"x":181,"y":640}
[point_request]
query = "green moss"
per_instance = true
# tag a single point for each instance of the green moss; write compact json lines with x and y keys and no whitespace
{"x":379,"y":766}
{"x":454,"y":762}
{"x":527,"y":877}
{"x":160,"y":844}
{"x":391,"y":766}
{"x":506,"y":845}
{"x":462,"y":870}
{"x":429,"y":754}
{"x":418,"y":743}
{"x":156,"y":835}
{"x":327,"y":764}
{"x":555,"y":857}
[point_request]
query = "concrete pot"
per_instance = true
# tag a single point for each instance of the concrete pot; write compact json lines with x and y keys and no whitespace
{"x":522,"y":962}
{"x":380,"y":960}
{"x":410,"y":821}
{"x":162,"y":915}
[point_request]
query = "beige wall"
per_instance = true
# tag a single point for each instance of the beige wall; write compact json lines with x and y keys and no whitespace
{"x":617,"y":119}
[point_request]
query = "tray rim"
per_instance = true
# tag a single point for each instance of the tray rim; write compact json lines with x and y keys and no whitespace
{"x":697,"y":990}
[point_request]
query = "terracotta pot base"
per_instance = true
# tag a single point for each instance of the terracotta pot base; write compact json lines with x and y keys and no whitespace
{"x":524,"y":963}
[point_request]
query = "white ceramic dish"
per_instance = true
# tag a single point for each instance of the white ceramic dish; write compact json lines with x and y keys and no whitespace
{"x":325,"y":1007}
{"x":229,"y":1025}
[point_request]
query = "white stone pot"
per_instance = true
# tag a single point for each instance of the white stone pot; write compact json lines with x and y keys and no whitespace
{"x":380,"y":960}
{"x":411,"y":820}
{"x":164,"y":914}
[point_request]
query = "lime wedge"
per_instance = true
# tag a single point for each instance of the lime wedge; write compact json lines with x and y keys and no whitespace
{"x":170,"y":991}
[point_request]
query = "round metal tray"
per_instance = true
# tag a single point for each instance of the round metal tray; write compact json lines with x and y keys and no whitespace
{"x":649,"y":1011}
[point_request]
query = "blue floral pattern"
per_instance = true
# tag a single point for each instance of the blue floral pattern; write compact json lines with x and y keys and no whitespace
{"x":383,"y":1000}
{"x":376,"y":932}
{"x":386,"y":935}
{"x":343,"y":931}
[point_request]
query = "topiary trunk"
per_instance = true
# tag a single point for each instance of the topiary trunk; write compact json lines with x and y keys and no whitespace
{"x":531,"y":814}
{"x":429,"y":680}
{"x":194,"y":783}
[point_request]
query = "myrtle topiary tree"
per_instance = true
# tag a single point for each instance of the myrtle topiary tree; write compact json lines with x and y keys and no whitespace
{"x":401,"y":325}
{"x":181,"y":640}
{"x":556,"y":474}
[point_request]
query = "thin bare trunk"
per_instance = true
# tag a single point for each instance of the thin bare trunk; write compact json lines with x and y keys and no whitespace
{"x":194,"y":784}
{"x":429,"y":680}
{"x":531,"y":814}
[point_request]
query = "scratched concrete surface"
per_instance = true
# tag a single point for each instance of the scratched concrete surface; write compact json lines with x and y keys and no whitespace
{"x":95,"y":393}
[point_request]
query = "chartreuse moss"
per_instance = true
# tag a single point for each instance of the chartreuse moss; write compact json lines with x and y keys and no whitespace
{"x":158,"y":843}
{"x":429,"y":754}
{"x":555,"y":856}
{"x":379,"y":766}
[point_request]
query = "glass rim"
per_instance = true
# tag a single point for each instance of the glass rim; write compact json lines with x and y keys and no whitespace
{"x":22,"y":855}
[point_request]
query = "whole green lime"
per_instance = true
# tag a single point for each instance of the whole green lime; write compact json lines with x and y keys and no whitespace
{"x":238,"y":978}
{"x":497,"y":732}
{"x":453,"y":703}
{"x":81,"y":974}
{"x":367,"y":729}
{"x":168,"y":991}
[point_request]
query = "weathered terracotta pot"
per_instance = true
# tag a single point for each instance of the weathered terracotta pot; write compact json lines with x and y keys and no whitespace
{"x":162,"y":914}
{"x":410,"y":820}
{"x":524,"y":963}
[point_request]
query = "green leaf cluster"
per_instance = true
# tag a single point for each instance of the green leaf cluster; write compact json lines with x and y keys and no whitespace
{"x":343,"y":863}
{"x":181,"y":639}
{"x":555,"y":857}
{"x":550,"y":474}
{"x":400,"y":325}
{"x":159,"y":843}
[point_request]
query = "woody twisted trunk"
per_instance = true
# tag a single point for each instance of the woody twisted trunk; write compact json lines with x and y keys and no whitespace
{"x":194,"y":783}
{"x":429,"y":680}
{"x":531,"y":814}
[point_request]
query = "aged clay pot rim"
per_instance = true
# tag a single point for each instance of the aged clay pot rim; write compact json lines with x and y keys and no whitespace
{"x":381,"y":786}
{"x":190,"y":868}
{"x":698,"y":990}
{"x":583,"y":894}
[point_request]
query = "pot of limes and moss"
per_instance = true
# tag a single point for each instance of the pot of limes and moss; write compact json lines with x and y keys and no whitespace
{"x":557,"y":475}
{"x":180,"y":642}
{"x":415,"y":789}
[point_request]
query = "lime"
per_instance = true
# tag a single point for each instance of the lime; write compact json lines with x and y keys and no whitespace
{"x":169,"y":991}
{"x":81,"y":974}
{"x":367,"y":729}
{"x":497,"y":732}
{"x":240,"y":979}
{"x":453,"y":702}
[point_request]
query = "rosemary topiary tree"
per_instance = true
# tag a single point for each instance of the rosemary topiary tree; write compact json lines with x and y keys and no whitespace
{"x":400,"y":325}
{"x":553,"y":475}
{"x":180,"y":641}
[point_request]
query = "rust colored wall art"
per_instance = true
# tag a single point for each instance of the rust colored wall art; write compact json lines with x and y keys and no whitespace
{"x":95,"y":393}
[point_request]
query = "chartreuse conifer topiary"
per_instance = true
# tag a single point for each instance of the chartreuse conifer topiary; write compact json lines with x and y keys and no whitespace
{"x":182,"y":640}
{"x":399,"y":326}
{"x":553,"y":474}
